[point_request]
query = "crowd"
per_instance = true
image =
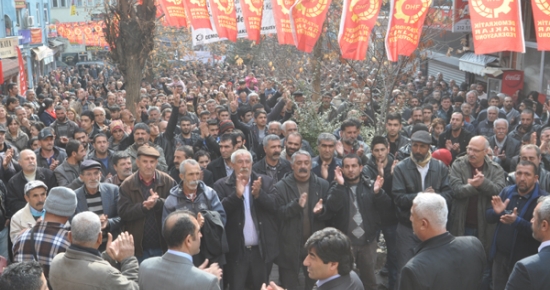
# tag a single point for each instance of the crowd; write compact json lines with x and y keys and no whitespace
{"x":208,"y":184}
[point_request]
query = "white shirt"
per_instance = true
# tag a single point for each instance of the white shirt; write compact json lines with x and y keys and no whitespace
{"x":544,"y":245}
{"x":321,"y":282}
{"x":249,"y":229}
{"x":423,"y":172}
{"x":181,"y":254}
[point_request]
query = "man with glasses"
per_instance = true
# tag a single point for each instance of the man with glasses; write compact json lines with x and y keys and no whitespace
{"x":474,"y":180}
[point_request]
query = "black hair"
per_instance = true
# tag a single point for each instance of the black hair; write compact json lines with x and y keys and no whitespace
{"x":88,"y":114}
{"x":119,"y":156}
{"x":378,"y":140}
{"x":11,"y":100}
{"x":72,"y":146}
{"x":529,"y":163}
{"x":142,"y":126}
{"x":188,"y":150}
{"x":353,"y":156}
{"x":25,"y":275}
{"x":394,"y":116}
{"x":331,"y":245}
{"x":100,"y":135}
{"x":180,"y":229}
{"x":350,"y":123}
{"x":229,"y":136}
{"x":200,"y":154}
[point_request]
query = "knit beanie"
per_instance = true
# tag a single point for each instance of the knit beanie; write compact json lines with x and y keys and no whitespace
{"x":61,"y":201}
{"x":226,"y":125}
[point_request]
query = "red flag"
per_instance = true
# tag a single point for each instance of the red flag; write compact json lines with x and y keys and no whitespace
{"x":405,"y":27}
{"x":22,"y":75}
{"x":281,"y":9}
{"x":197,"y":12}
{"x":358,"y":19}
{"x":541,"y":15}
{"x":1,"y":73}
{"x":174,"y":13}
{"x":252,"y":16}
{"x":225,"y":18}
{"x":306,"y":21}
{"x":496,"y":26}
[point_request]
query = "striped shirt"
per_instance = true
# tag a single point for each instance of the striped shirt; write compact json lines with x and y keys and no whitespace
{"x":94,"y":202}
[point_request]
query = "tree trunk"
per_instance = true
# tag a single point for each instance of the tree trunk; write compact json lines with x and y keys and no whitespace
{"x":134,"y":76}
{"x":316,"y":69}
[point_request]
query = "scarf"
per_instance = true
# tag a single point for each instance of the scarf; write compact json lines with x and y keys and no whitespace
{"x":423,"y":162}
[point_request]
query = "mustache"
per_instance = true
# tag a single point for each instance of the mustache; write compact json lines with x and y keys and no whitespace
{"x":244,"y":169}
{"x":40,"y":203}
{"x":193,"y":183}
{"x":302,"y":170}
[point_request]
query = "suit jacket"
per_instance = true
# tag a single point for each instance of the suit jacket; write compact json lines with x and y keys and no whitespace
{"x":174,"y":272}
{"x":109,"y":199}
{"x":443,"y":262}
{"x":217,"y":167}
{"x":531,"y":273}
{"x":346,"y":282}
{"x":511,"y":148}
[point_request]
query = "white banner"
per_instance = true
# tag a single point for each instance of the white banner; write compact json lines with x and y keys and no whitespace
{"x":7,"y":47}
{"x":206,"y":36}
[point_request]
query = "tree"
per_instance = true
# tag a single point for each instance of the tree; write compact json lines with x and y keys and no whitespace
{"x":130,"y":31}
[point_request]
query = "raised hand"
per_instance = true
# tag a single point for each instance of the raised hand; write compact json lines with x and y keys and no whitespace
{"x":509,"y":219}
{"x":256,"y":187}
{"x":318,"y":207}
{"x":498,"y":205}
{"x":378,"y":184}
{"x":338,"y":175}
{"x":303,"y":199}
{"x":122,"y":248}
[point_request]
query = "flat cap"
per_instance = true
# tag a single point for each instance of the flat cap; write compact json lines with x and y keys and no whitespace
{"x":34,"y":184}
{"x":89,"y":164}
{"x":422,"y":137}
{"x":148,"y":151}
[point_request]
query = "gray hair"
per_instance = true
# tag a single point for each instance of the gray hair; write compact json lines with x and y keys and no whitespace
{"x":465,"y":104}
{"x":26,"y":151}
{"x":283,"y":127}
{"x":432,"y":207}
{"x":544,"y":210}
{"x":95,"y":109}
{"x":500,"y":120}
{"x":326,"y":137}
{"x":530,"y":147}
{"x":492,"y":108}
{"x":271,"y":137}
{"x":187,"y":161}
{"x":85,"y":227}
{"x":275,"y":123}
{"x":240,"y":152}
{"x":153,"y":108}
{"x":298,"y":153}
{"x":472,"y":92}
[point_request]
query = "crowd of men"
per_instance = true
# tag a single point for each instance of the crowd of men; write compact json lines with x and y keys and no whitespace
{"x":208,"y":185}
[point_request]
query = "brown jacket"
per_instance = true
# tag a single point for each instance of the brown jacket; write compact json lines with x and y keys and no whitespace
{"x":132,"y":212}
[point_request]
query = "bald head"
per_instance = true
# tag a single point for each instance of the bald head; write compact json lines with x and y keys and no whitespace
{"x":177,"y":227}
{"x":477,"y":150}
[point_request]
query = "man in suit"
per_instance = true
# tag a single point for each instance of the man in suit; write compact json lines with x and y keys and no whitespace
{"x":175,"y":270}
{"x":532,"y":273}
{"x":329,"y":262}
{"x":441,"y":260}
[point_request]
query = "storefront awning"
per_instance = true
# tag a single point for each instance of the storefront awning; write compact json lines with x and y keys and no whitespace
{"x":10,"y":67}
{"x":470,"y":62}
{"x":55,"y":43}
{"x":42,"y":52}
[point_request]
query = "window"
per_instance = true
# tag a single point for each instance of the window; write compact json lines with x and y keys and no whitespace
{"x":18,"y":14}
{"x":46,"y":16}
{"x":63,"y":3}
{"x":38,"y":15}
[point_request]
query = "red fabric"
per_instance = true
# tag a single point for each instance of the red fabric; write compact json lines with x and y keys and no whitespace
{"x":306,"y":21}
{"x":197,"y":12}
{"x":358,"y":19}
{"x":252,"y":17}
{"x":225,"y":18}
{"x":496,"y":26}
{"x":405,"y":27}
{"x":174,"y":13}
{"x":541,"y":15}
{"x":22,"y":74}
{"x":281,"y":11}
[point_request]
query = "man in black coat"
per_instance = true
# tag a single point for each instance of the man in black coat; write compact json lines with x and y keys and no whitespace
{"x":298,"y":196}
{"x":272,"y":165}
{"x":353,"y":205}
{"x":533,"y":272}
{"x":221,"y":166}
{"x":15,"y":198}
{"x":456,"y":138}
{"x":441,"y":261}
{"x":251,"y":227}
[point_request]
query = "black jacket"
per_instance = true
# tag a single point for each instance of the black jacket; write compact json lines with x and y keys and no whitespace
{"x":388,"y":216}
{"x":445,"y":262}
{"x":290,"y":216}
{"x":15,"y":197}
{"x":337,"y":206}
{"x":214,"y":240}
{"x":283,"y":167}
{"x":59,"y":155}
{"x":511,"y":148}
{"x":263,"y":211}
{"x":407,"y":183}
{"x":3,"y":207}
{"x":531,"y":272}
{"x":104,"y":170}
{"x":463,"y":139}
{"x":217,"y":167}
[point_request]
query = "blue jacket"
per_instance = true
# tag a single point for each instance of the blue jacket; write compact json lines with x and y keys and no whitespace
{"x":523,"y":243}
